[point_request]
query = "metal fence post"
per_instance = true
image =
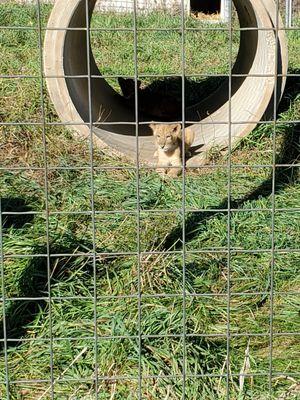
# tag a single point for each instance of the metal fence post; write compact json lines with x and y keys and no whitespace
{"x":289,"y":13}
{"x":225,"y":10}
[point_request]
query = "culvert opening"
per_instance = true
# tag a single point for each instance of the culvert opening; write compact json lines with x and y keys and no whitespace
{"x":159,"y":64}
{"x":207,"y":7}
{"x":251,"y":89}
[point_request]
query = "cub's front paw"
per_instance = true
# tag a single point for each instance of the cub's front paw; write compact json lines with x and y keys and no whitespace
{"x":162,"y":171}
{"x":174,"y":172}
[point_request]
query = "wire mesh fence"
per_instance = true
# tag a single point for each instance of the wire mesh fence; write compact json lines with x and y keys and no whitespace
{"x":117,"y":283}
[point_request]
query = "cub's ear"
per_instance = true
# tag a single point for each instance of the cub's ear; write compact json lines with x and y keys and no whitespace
{"x":153,"y":127}
{"x":177,"y":130}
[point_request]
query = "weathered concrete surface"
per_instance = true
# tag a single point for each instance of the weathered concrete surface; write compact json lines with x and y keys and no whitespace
{"x":224,"y":114}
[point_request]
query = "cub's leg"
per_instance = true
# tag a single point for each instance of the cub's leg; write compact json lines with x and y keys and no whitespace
{"x":175,"y":162}
{"x":163,"y":163}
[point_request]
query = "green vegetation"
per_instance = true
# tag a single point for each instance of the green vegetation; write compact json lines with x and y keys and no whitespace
{"x":69,"y":316}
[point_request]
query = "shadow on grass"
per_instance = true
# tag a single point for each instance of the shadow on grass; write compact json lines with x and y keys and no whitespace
{"x":19,"y":313}
{"x":16,"y":205}
{"x":285,"y":174}
{"x":33,"y":283}
{"x":33,"y":289}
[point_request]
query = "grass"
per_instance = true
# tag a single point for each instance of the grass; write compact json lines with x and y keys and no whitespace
{"x":69,"y":317}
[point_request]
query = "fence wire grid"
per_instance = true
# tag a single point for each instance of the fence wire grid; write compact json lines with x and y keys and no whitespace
{"x":116,"y":284}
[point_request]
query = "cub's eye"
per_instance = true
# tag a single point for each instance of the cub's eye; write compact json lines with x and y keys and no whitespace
{"x":168,"y":136}
{"x":158,"y":136}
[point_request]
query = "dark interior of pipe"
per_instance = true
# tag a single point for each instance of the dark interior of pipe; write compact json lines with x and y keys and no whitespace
{"x":206,"y":6}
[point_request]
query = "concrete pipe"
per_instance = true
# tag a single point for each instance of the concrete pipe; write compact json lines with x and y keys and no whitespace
{"x":252,"y":94}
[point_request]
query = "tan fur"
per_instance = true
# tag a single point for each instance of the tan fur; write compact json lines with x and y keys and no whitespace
{"x":168,"y":139}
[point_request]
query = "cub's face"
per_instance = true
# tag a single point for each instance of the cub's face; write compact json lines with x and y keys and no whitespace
{"x":166,"y":136}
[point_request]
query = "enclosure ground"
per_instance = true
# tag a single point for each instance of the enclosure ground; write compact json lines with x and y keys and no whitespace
{"x":68,"y":318}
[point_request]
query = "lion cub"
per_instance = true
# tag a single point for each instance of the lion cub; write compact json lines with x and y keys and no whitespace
{"x":168,"y":140}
